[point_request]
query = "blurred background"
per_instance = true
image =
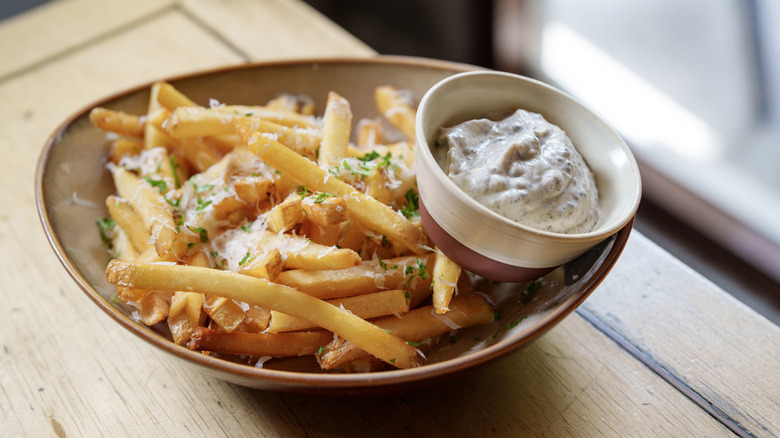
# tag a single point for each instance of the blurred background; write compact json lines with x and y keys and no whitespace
{"x":692,"y":85}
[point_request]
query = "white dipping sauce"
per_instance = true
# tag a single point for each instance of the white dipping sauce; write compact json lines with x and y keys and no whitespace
{"x":523,"y":168}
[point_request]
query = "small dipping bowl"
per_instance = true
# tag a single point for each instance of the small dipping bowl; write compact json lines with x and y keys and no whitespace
{"x":481,"y":240}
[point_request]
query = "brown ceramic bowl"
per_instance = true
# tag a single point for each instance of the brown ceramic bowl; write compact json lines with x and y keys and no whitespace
{"x":483,"y":241}
{"x":72,"y":184}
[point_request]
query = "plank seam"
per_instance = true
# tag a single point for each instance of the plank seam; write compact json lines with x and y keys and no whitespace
{"x":211,"y":30}
{"x":85,"y":44}
{"x":717,"y":413}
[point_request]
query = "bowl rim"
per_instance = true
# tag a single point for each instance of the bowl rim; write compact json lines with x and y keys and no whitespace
{"x":427,"y":158}
{"x":293,"y":381}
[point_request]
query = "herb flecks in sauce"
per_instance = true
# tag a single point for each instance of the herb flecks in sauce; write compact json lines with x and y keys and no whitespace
{"x":523,"y":168}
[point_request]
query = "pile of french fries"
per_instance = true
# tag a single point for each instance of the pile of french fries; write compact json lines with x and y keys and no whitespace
{"x":268,"y":231}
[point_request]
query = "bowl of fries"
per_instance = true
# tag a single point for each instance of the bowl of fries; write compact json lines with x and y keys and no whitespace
{"x":261,"y":223}
{"x":482,"y":240}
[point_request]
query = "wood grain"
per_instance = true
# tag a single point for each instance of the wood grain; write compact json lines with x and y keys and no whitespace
{"x":66,"y":369}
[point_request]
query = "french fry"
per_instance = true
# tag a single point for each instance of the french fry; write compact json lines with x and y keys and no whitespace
{"x":370,"y":212}
{"x":365,"y":306}
{"x":294,"y":103}
{"x":286,"y":118}
{"x":304,"y":141}
{"x":268,"y":266}
{"x":117,"y":122}
{"x":123,"y":147}
{"x":415,"y":326}
{"x":244,"y":288}
{"x":171,"y":98}
{"x":200,"y":153}
{"x":185,"y":315}
{"x":336,"y":130}
{"x":445,"y":280}
{"x":369,"y":133}
{"x":196,"y":121}
{"x":260,"y":344}
{"x":327,"y":235}
{"x":369,"y":276}
{"x":155,"y":213}
{"x":299,"y":252}
{"x":224,"y":312}
{"x":285,"y":215}
{"x":324,"y":210}
{"x":154,"y":136}
{"x":154,"y":306}
{"x":253,"y":189}
{"x":129,"y":221}
{"x":395,"y":109}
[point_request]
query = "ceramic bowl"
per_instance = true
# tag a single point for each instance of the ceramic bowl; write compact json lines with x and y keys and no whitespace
{"x":72,"y":183}
{"x":483,"y":241}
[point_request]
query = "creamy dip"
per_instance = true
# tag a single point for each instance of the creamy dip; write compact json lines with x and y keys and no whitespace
{"x":523,"y":168}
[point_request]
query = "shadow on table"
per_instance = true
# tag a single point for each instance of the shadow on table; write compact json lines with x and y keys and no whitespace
{"x":498,"y":392}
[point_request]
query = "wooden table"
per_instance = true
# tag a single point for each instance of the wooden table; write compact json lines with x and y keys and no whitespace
{"x":656,"y":350}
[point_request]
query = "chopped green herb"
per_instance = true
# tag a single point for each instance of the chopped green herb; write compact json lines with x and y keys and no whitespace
{"x":202,"y":204}
{"x":247,"y":227}
{"x":201,"y":232}
{"x":303,"y":191}
{"x":413,"y":344}
{"x":203,"y":188}
{"x":412,"y":207}
{"x":174,"y":166}
{"x":106,"y":228}
{"x":417,"y":270}
{"x":530,"y":290}
{"x":320,"y":350}
{"x":246,"y":259}
{"x":514,"y":324}
{"x":157,"y":183}
{"x":321,"y":197}
{"x":496,"y":315}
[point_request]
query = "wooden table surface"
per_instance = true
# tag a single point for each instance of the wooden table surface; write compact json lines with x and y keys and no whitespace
{"x":657,"y":350}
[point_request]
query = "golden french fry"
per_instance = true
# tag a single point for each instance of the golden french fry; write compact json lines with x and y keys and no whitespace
{"x":286,"y":118}
{"x":129,"y":221}
{"x":171,"y":98}
{"x":294,"y":103}
{"x":445,"y":280}
{"x":336,"y":130}
{"x":153,"y":307}
{"x":154,"y":136}
{"x":123,"y":147}
{"x":323,"y":209}
{"x":196,"y":121}
{"x":226,"y":313}
{"x":370,"y":212}
{"x":117,"y":122}
{"x":369,"y":276}
{"x":150,"y":205}
{"x":327,"y":235}
{"x":253,"y":189}
{"x":392,"y":105}
{"x":268,"y":265}
{"x":259,"y":292}
{"x":365,"y":306}
{"x":285,"y":215}
{"x":299,"y":252}
{"x":260,"y":344}
{"x":415,"y":326}
{"x":185,"y":315}
{"x":304,"y":141}
{"x":369,"y":133}
{"x":199,"y":152}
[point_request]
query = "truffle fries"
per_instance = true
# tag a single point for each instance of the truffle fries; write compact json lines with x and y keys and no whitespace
{"x":263,"y":231}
